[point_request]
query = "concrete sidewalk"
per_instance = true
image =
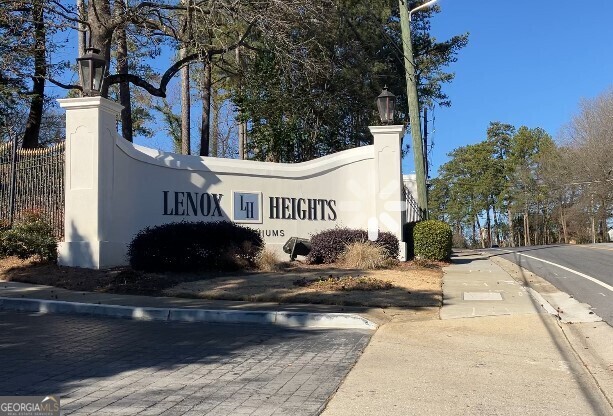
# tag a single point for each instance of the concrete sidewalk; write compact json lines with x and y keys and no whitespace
{"x":496,"y":351}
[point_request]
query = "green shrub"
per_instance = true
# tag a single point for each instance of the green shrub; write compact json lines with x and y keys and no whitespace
{"x":432,"y":240}
{"x":194,"y":246}
{"x":32,"y":236}
{"x":328,"y":246}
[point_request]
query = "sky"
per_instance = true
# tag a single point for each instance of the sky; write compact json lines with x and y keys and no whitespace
{"x":528,"y":62}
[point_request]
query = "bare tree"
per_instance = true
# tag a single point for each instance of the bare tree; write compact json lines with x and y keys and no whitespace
{"x":588,"y":136}
{"x":231,"y":23}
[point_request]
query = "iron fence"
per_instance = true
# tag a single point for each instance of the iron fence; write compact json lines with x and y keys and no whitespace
{"x":32,"y":180}
{"x":412,"y":208}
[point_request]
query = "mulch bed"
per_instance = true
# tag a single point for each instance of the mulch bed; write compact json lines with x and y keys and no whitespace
{"x":406,"y":285}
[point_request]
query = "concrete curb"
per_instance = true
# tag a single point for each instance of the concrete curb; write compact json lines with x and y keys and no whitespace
{"x":542,"y":301}
{"x":557,"y":303}
{"x":281,"y":318}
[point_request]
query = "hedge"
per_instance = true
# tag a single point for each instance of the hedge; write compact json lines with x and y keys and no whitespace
{"x":432,"y":240}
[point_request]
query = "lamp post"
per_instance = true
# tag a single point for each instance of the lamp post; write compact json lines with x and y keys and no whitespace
{"x":386,"y":104}
{"x":409,"y":65}
{"x":92,"y":67}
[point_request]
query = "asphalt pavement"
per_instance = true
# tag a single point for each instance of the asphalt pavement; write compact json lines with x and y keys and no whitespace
{"x":583,"y":271}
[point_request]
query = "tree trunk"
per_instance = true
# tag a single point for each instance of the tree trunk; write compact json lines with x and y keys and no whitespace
{"x":511,"y":230}
{"x":186,"y":103}
{"x":526,"y":226}
{"x":488,"y":222}
{"x":101,"y":33}
{"x":496,"y":229}
{"x":527,"y":240}
{"x":185,"y":108}
{"x":82,"y":32}
{"x":480,"y":231}
{"x":205,"y":131}
{"x":35,"y":117}
{"x":546,"y":230}
{"x":215,"y":123}
{"x":474,"y":242}
{"x":563,"y":222}
{"x":603,"y":220}
{"x":536,"y":223}
{"x":122,"y":68}
{"x":242,"y":131}
{"x":242,"y":125}
{"x":592,"y":214}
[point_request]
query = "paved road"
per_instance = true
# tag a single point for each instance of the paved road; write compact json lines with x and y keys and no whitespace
{"x":583,"y":271}
{"x":108,"y":366}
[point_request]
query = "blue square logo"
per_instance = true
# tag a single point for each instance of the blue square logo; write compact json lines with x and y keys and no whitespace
{"x":247,"y":207}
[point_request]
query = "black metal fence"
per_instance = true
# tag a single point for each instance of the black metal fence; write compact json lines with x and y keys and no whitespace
{"x":32,"y":180}
{"x":411,"y":206}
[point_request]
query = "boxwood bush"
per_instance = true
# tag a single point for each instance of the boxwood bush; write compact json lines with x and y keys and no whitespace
{"x":195,"y":246}
{"x":432,"y":240}
{"x":30,"y":237}
{"x":328,"y":245}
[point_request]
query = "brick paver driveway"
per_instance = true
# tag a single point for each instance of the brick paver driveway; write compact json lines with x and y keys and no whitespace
{"x":120,"y":367}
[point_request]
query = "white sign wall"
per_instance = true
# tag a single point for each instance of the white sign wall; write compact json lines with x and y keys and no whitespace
{"x":114,"y":189}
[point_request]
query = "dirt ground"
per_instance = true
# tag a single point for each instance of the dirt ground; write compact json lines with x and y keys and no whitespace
{"x":411,"y":285}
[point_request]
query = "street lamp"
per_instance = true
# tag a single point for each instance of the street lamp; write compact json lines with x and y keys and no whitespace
{"x":409,"y":66}
{"x":386,"y":104}
{"x":92,"y":67}
{"x":423,"y":6}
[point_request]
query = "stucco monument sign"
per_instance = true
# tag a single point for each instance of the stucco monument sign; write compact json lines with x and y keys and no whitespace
{"x":115,"y":188}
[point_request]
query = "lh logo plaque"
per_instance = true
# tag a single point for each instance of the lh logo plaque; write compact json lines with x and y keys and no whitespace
{"x":247,"y":207}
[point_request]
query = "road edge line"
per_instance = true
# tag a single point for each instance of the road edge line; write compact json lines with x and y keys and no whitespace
{"x":568,"y":269}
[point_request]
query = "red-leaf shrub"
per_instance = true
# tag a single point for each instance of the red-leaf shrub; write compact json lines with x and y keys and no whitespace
{"x":328,"y":245}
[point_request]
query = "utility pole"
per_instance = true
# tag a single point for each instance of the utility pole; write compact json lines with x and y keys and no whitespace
{"x":409,"y":65}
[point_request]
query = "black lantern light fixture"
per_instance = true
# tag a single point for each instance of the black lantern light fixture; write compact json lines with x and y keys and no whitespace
{"x":92,"y":67}
{"x":386,"y":103}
